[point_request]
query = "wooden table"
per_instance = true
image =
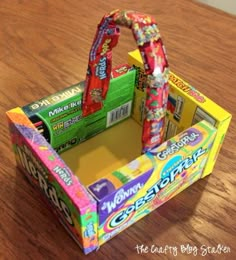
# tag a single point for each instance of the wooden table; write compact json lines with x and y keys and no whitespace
{"x":44,"y":47}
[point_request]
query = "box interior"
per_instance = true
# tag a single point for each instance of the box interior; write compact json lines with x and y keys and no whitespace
{"x":105,"y":152}
{"x":100,"y":143}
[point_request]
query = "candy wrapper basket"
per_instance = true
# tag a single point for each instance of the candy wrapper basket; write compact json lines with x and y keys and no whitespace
{"x":107,"y":151}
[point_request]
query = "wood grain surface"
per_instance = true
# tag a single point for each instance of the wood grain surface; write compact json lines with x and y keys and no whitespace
{"x":44,"y":47}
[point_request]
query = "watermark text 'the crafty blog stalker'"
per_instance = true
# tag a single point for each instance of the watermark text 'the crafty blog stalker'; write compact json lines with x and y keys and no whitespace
{"x":185,"y":249}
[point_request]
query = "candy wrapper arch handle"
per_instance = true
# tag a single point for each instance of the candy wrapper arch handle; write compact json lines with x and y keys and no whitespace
{"x":147,"y":36}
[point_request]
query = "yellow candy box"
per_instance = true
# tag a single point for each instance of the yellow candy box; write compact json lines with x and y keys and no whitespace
{"x":186,"y":106}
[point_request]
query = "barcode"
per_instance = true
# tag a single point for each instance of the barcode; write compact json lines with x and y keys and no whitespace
{"x":171,"y":130}
{"x":202,"y":115}
{"x":178,"y":108}
{"x":119,"y":113}
{"x":166,"y":127}
{"x":142,"y":110}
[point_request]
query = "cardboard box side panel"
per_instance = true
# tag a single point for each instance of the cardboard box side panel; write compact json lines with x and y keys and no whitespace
{"x":59,"y":117}
{"x":48,"y":174}
{"x":219,"y":139}
{"x":42,"y":148}
{"x":138,"y":106}
{"x":191,"y":112}
{"x":186,"y":106}
{"x":200,"y":99}
{"x":134,"y":58}
{"x":154,"y":178}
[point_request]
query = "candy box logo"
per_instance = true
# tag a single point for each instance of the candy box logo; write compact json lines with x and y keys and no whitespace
{"x":66,"y":145}
{"x":120,"y":197}
{"x":37,"y":173}
{"x":64,"y":108}
{"x":175,"y":147}
{"x":89,"y":230}
{"x":128,"y":211}
{"x":122,"y":69}
{"x":110,"y":199}
{"x":45,"y":102}
{"x":188,"y":89}
{"x":101,"y":68}
{"x":64,"y":175}
{"x":105,"y":46}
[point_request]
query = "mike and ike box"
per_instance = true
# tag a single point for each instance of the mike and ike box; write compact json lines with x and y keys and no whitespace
{"x":58,"y":117}
{"x":186,"y":106}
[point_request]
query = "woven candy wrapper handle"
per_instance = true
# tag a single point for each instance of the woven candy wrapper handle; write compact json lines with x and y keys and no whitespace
{"x":147,"y":36}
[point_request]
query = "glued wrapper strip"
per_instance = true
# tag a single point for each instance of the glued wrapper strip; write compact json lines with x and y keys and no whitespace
{"x":147,"y":36}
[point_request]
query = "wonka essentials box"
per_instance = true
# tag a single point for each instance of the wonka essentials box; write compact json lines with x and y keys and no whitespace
{"x":186,"y":106}
{"x":134,"y":190}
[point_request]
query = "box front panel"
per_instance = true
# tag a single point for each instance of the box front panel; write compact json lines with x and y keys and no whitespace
{"x":144,"y":184}
{"x":48,"y":174}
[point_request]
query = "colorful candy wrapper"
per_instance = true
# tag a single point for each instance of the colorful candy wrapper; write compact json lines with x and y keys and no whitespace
{"x":147,"y":36}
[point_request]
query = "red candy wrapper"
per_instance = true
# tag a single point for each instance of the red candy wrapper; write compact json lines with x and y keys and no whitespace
{"x":147,"y":36}
{"x":120,"y":70}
